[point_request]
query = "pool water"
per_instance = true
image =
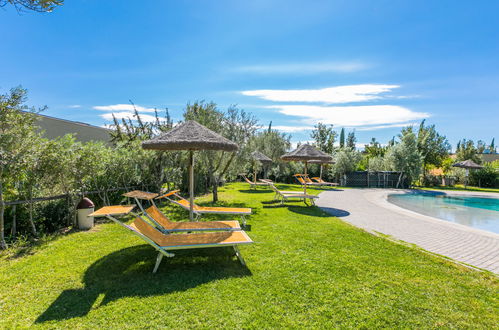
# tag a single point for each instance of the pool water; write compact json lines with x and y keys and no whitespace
{"x":476,"y":212}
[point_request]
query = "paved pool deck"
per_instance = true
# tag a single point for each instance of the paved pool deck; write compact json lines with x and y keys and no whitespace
{"x":369,"y":209}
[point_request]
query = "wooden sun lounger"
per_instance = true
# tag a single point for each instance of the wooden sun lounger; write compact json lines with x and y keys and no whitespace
{"x":303,"y":182}
{"x":200,"y":210}
{"x":285,"y":195}
{"x":161,"y":221}
{"x":164,"y":243}
{"x":325,"y":183}
{"x":255,"y":184}
{"x":169,"y":226}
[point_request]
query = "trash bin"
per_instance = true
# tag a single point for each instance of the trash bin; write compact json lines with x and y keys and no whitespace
{"x":84,"y":208}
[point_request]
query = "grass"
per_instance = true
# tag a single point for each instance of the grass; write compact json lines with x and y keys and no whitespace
{"x":461,"y":188}
{"x":307,"y":269}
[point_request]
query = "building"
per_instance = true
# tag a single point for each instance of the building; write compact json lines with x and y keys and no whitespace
{"x":56,"y":127}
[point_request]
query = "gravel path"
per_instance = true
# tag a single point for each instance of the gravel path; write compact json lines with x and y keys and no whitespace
{"x":369,"y":209}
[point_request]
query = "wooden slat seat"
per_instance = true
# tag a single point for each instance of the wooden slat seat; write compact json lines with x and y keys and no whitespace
{"x":189,"y":240}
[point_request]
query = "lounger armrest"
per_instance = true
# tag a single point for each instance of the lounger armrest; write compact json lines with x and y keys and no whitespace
{"x":114,"y":210}
{"x":173,"y":192}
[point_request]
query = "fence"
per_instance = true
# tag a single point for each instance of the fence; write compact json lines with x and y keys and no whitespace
{"x":373,"y":179}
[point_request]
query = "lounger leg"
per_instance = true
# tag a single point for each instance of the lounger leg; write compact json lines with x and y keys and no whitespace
{"x":239,"y":256}
{"x":243,"y":220}
{"x":158,"y":261}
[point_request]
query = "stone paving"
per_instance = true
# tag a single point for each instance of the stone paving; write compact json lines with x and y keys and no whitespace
{"x":369,"y":209}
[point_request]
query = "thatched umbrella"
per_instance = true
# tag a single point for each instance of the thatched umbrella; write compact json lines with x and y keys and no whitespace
{"x":191,"y":136}
{"x":306,"y":153}
{"x":321,"y":162}
{"x":468,"y":165}
{"x":264,"y":160}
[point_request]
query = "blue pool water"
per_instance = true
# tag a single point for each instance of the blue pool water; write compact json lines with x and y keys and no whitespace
{"x":476,"y":212}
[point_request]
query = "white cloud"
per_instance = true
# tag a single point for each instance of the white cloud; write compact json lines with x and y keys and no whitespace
{"x":339,"y":94}
{"x":292,"y":129}
{"x":122,"y":107}
{"x":75,"y":106}
{"x":303,"y":68}
{"x":373,"y":128}
{"x":128,"y":115}
{"x":351,"y":116}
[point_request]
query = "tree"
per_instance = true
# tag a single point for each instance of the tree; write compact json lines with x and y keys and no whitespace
{"x":492,"y":147}
{"x":404,"y":157}
{"x":342,"y":138}
{"x":17,"y":141}
{"x":40,"y":6}
{"x":351,"y":140}
{"x":346,"y":161}
{"x":273,"y":144}
{"x":376,"y":164}
{"x":235,"y":124}
{"x":324,"y":137}
{"x":480,"y":146}
{"x":467,"y":151}
{"x":432,"y":146}
{"x":374,"y":149}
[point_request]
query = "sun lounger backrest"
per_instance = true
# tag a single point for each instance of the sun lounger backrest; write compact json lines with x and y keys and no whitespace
{"x":159,"y":217}
{"x":246,"y":179}
{"x":147,"y":230}
{"x":300,"y":179}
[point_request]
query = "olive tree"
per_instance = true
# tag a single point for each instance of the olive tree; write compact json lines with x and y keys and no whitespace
{"x":18,"y":140}
{"x":404,"y":157}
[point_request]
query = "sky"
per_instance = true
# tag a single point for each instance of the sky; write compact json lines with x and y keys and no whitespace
{"x":371,"y":67}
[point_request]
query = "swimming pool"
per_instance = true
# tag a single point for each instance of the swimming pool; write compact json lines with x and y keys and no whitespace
{"x":476,"y":212}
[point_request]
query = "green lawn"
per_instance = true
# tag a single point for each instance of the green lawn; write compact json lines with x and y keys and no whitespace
{"x":307,"y":269}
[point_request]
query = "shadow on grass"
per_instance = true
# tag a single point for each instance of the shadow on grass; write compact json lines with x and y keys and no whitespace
{"x":335,"y":212}
{"x":252,"y":191}
{"x":128,"y":273}
{"x":309,"y":210}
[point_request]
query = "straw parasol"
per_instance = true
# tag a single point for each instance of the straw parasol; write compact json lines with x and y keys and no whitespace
{"x":321,"y":162}
{"x":468,"y":165}
{"x":190,"y":136}
{"x":306,"y":153}
{"x":264,"y":160}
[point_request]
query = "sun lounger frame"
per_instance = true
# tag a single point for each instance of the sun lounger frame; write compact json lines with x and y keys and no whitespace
{"x":284,"y":196}
{"x":198,"y":210}
{"x":166,"y":250}
{"x":141,"y":195}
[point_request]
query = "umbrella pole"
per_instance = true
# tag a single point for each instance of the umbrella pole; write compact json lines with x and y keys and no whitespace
{"x":305,"y":184}
{"x":191,"y":185}
{"x":320,"y":176}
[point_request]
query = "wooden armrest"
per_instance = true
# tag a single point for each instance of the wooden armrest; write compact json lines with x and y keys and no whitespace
{"x":173,"y":192}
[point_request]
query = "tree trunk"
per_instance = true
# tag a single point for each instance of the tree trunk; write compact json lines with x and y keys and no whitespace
{"x":13,"y":230}
{"x":400,"y":179}
{"x":215,"y":191}
{"x":33,"y":228}
{"x":3,"y":244}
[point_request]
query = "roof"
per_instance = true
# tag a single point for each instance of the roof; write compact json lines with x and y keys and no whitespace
{"x":467,"y":164}
{"x":53,"y":127}
{"x":306,"y":152}
{"x":190,"y":135}
{"x":257,"y":155}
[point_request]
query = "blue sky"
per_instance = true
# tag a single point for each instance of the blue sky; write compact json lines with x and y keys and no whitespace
{"x":372,"y":66}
